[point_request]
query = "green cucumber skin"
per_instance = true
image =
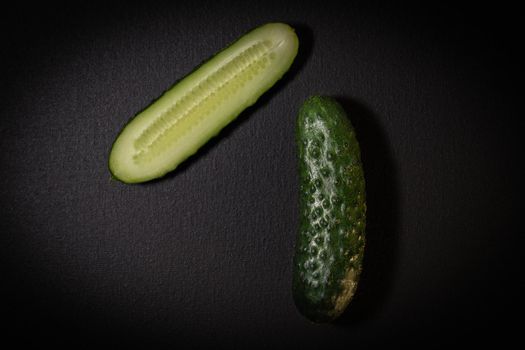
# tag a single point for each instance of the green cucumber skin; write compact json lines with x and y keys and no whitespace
{"x":331,"y":239}
{"x":205,"y":138}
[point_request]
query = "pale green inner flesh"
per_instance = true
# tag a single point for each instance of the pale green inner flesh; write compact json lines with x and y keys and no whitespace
{"x":186,"y":116}
{"x":194,"y":106}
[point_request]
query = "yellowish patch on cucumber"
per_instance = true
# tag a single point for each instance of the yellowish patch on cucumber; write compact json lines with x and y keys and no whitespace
{"x":349,"y":284}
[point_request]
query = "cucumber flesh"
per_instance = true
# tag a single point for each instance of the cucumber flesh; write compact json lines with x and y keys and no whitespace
{"x":331,"y":238}
{"x":194,"y":110}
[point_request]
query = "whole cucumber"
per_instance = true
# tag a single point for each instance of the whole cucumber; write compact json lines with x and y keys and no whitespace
{"x":331,"y":238}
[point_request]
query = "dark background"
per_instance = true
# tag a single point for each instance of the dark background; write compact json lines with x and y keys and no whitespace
{"x":203,"y":256}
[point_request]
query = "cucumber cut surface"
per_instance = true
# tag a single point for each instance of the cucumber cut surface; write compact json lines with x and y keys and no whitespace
{"x":331,"y":238}
{"x":194,"y":110}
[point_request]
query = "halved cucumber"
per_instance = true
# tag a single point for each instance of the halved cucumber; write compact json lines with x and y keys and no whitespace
{"x":186,"y":116}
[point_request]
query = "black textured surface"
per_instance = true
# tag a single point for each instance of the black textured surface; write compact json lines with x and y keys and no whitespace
{"x":204,"y":256}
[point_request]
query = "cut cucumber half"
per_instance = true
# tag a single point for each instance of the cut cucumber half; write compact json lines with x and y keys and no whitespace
{"x":195,"y":109}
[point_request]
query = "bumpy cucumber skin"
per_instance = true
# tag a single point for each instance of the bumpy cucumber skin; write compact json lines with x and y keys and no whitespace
{"x":115,"y":176}
{"x":331,"y":238}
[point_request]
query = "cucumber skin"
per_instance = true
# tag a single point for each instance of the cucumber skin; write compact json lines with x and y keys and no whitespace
{"x":330,"y":242}
{"x":196,"y":68}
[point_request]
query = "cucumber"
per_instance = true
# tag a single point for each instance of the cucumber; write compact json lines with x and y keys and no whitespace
{"x":331,"y":238}
{"x":196,"y":108}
